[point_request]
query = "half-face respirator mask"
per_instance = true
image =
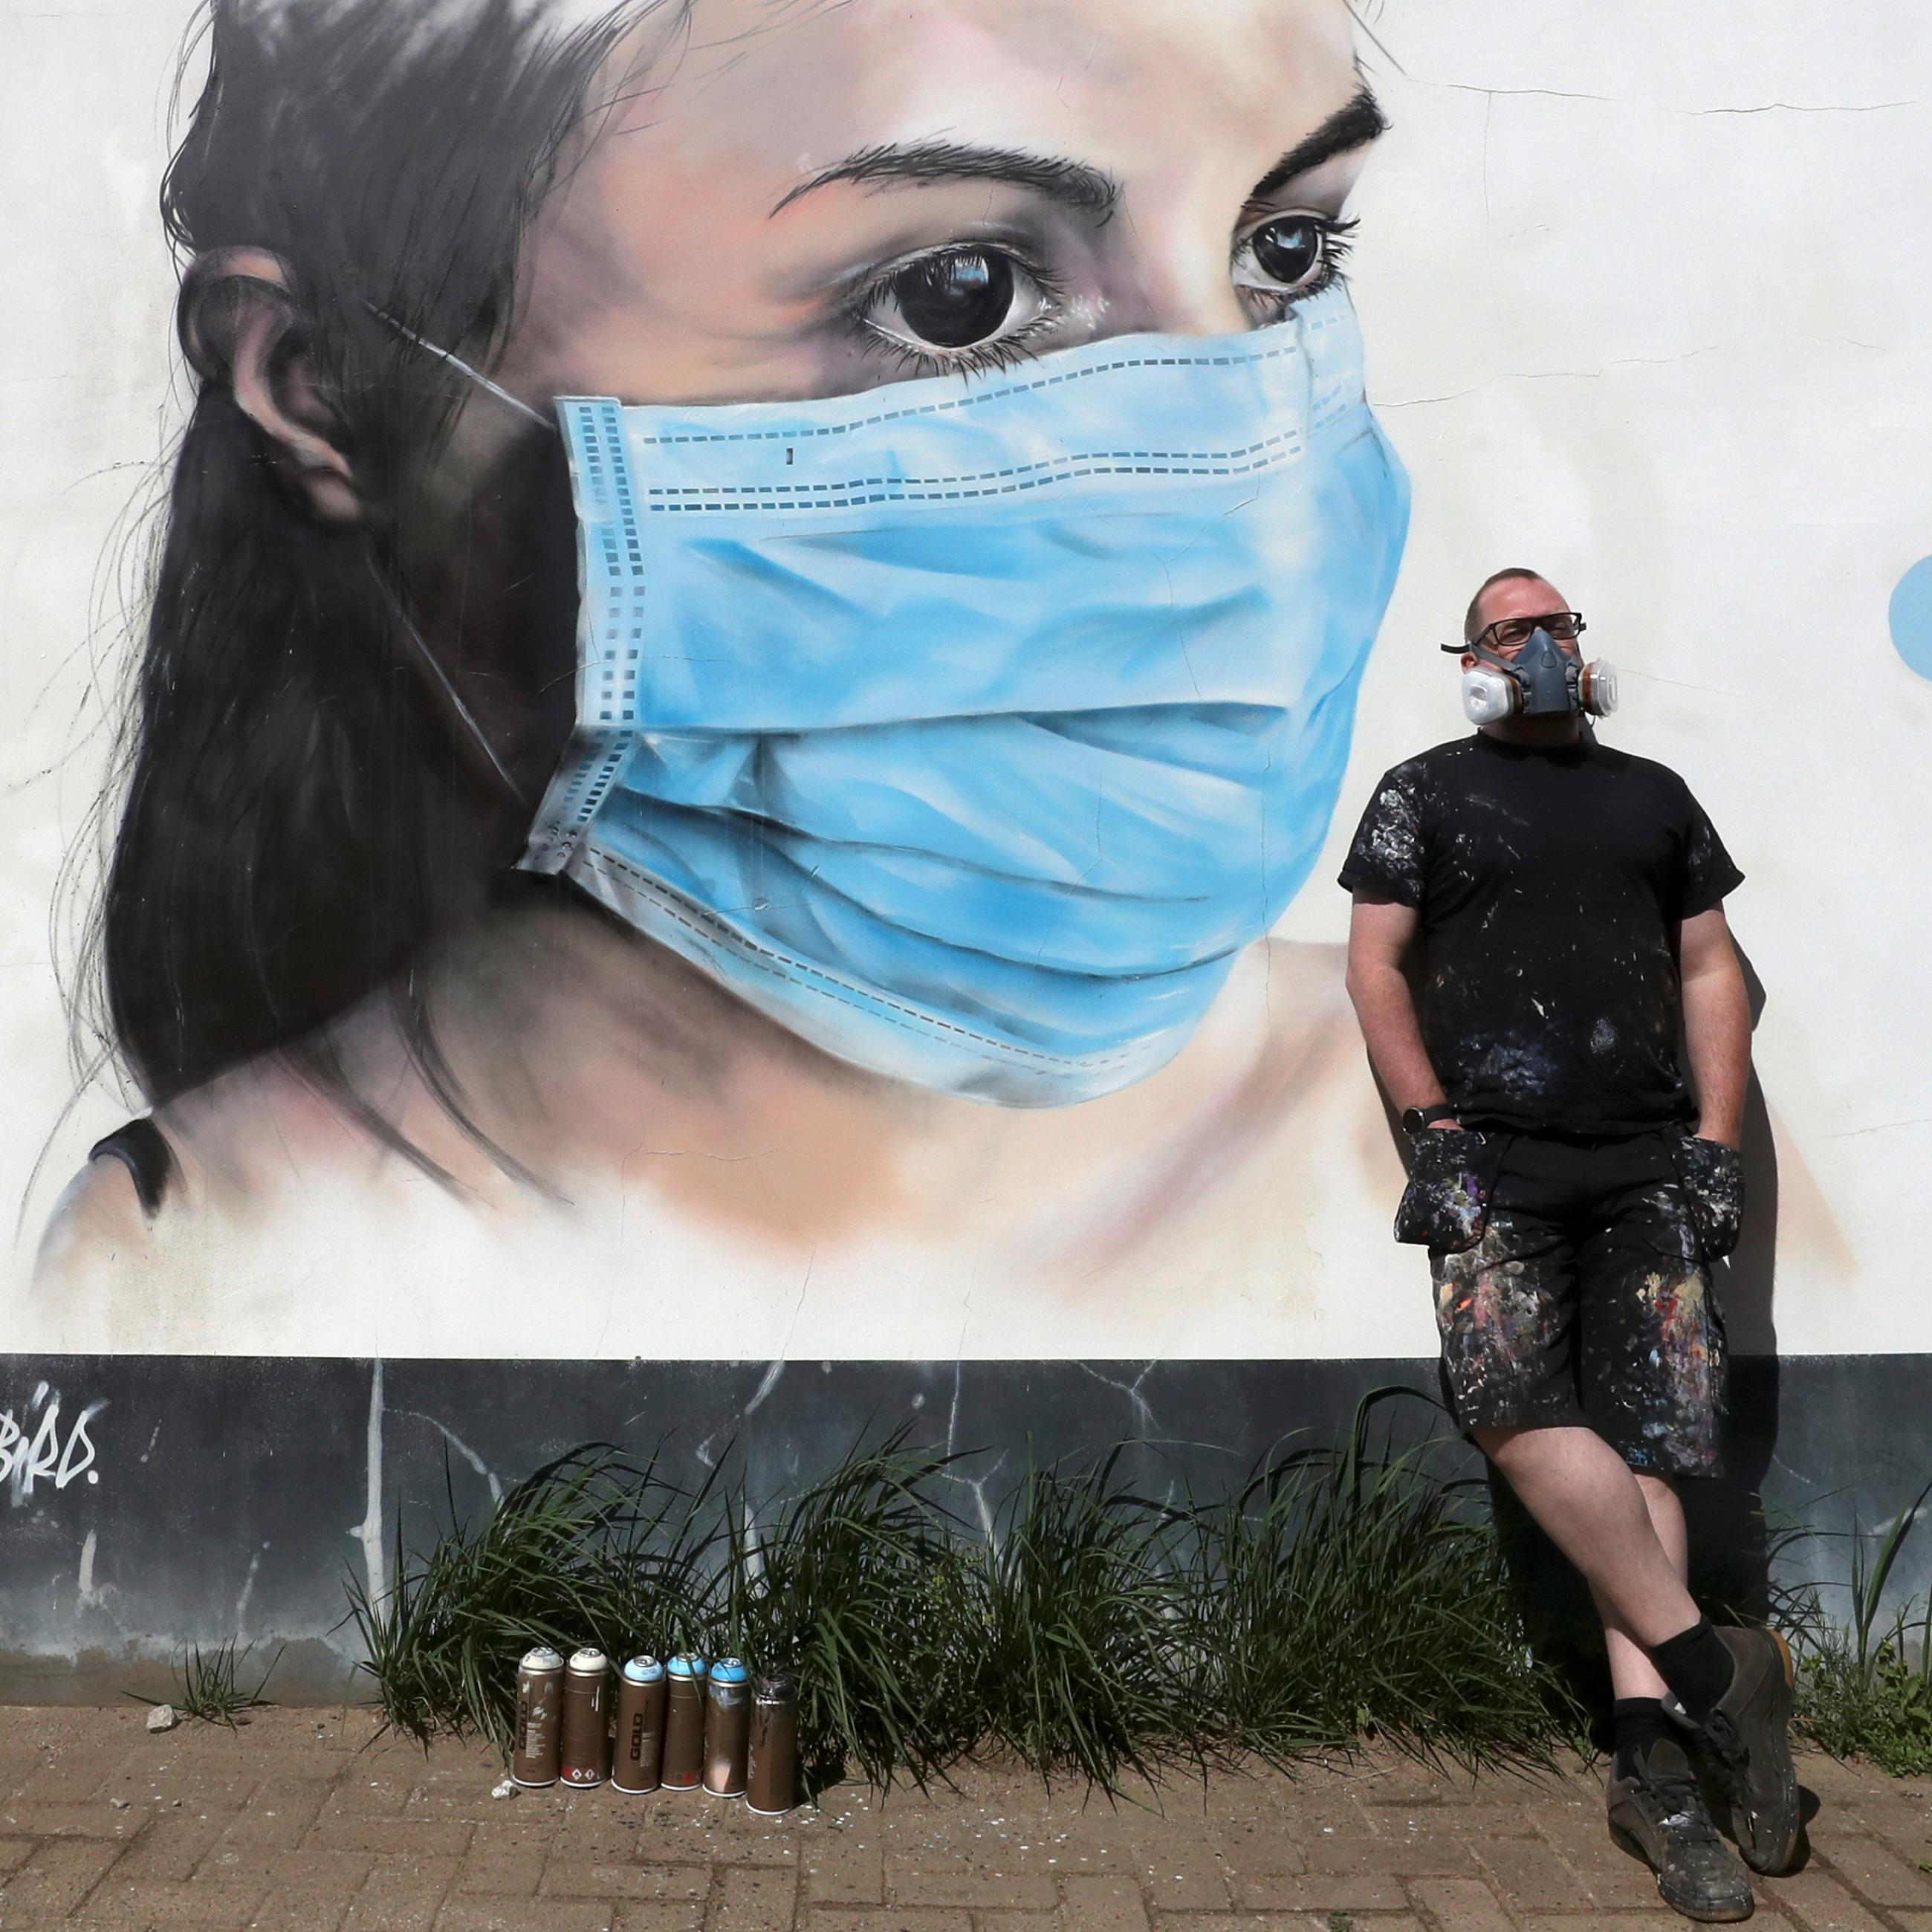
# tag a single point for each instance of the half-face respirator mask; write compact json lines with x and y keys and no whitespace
{"x":1541,"y":681}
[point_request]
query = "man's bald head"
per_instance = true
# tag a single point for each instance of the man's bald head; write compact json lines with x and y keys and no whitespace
{"x":1508,"y":593}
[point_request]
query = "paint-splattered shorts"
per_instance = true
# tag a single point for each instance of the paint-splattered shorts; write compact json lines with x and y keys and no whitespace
{"x":1584,"y":1294}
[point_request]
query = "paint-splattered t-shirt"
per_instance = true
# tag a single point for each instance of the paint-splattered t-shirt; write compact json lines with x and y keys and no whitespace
{"x":1549,"y":883}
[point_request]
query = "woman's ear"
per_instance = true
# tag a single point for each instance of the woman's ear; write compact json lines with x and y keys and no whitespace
{"x":240,"y":325}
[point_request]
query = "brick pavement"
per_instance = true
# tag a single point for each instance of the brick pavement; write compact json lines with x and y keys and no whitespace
{"x":301,"y":1821}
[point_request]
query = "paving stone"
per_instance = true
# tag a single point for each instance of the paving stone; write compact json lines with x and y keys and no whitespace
{"x":955,"y":1862}
{"x":1817,"y":1900}
{"x":745,"y":1900}
{"x":402,"y":1894}
{"x":300,"y":1912}
{"x":1660,"y":1919}
{"x":168,"y":1848}
{"x":1018,"y":1921}
{"x":1098,"y":1904}
{"x":205,"y":1904}
{"x":1874,"y":1870}
{"x":1836,"y":1781}
{"x":338,"y":1873}
{"x":71,"y":1778}
{"x":1461,"y":1905}
{"x":366,"y":1798}
{"x":518,"y":1874}
{"x":389,"y":1835}
{"x":280,"y":1811}
{"x":58,"y":1876}
{"x":536,"y":1915}
{"x":681,"y":1915}
{"x":885,"y":1918}
{"x":1528,"y":1875}
{"x":845,"y":1866}
{"x":14,"y":1852}
{"x":70,"y":1821}
{"x":667,"y":1884}
{"x":1317,"y":1891}
{"x":1413,"y":1855}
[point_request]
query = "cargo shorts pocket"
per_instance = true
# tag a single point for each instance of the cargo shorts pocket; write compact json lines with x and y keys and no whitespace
{"x":1447,"y":1201}
{"x":1713,"y":1175}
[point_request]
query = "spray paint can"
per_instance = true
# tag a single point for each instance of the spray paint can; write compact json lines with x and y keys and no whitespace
{"x":684,"y":1723}
{"x":587,"y":1719}
{"x":533,"y":1746}
{"x":772,"y":1789}
{"x":640,"y":1724}
{"x":727,"y":1728}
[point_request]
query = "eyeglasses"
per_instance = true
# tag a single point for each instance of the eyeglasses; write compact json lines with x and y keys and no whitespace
{"x":1509,"y":634}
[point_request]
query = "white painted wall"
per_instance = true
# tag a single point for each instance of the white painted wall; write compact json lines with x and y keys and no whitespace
{"x":1647,"y":291}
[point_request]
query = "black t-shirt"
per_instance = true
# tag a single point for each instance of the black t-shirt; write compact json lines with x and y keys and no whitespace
{"x":1549,"y":883}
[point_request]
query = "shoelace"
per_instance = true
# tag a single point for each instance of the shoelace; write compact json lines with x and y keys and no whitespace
{"x":1687,"y":1815}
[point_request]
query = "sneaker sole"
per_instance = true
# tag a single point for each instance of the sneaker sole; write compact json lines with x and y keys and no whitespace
{"x":1771,"y":1851}
{"x":1721,"y":1915}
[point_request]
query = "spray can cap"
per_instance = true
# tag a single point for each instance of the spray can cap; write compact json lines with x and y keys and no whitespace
{"x":727,"y":1670}
{"x":780,"y":1687}
{"x":542,"y":1658}
{"x":643,"y":1670}
{"x":687,"y":1663}
{"x":588,"y":1662}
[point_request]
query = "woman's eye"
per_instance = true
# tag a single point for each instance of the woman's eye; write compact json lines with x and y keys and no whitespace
{"x":957,"y":300}
{"x":1292,"y":254}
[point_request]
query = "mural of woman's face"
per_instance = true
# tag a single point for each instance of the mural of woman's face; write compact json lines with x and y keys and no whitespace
{"x":781,"y":201}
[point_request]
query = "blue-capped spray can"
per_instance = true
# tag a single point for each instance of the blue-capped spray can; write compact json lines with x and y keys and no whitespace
{"x":727,"y":1728}
{"x":640,"y":1725}
{"x":684,"y":1723}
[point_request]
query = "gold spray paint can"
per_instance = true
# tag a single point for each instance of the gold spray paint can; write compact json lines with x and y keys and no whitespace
{"x":586,"y":1719}
{"x":533,"y":1748}
{"x":641,"y":1723}
{"x":772,"y":1789}
{"x":684,"y":1723}
{"x":727,"y":1728}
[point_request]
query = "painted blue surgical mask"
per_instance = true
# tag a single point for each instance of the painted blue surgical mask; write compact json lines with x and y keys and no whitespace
{"x":971,"y":732}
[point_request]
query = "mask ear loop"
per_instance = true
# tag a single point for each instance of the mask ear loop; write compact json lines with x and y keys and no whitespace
{"x":478,"y":754}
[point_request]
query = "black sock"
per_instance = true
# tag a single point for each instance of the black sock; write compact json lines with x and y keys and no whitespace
{"x":1639,"y":1723}
{"x":1697,"y":1667}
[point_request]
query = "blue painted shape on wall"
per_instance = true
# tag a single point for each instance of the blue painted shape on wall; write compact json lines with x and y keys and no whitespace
{"x":1912,"y":617}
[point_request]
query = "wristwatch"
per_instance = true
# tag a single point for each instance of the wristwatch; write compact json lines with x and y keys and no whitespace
{"x":1414,"y":1119}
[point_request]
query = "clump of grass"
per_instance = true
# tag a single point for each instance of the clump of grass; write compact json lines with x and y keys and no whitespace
{"x":853,"y":1588}
{"x":1075,"y":1619}
{"x":208,"y":1687}
{"x":1352,"y":1594}
{"x":1860,"y":1692}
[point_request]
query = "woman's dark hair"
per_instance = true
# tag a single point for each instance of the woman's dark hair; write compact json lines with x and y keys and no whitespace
{"x":296,"y":825}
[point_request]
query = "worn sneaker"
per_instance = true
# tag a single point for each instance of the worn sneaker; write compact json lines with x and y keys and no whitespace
{"x":1748,"y":1751}
{"x":1658,"y":1815}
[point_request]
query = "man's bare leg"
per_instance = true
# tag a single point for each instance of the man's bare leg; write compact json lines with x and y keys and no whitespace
{"x":1632,"y":1673}
{"x":1589,"y":1501}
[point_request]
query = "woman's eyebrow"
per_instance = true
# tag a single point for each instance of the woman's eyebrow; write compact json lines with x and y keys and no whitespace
{"x":1073,"y":182}
{"x":1347,"y":128}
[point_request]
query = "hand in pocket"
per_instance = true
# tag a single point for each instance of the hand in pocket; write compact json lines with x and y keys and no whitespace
{"x":1446,"y":1200}
{"x":1714,"y":1185}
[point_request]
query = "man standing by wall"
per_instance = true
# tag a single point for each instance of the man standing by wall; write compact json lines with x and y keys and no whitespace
{"x":1565,"y":899}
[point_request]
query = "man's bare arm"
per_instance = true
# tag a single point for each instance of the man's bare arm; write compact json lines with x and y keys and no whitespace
{"x":1380,"y":934}
{"x":1717,"y":1024}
